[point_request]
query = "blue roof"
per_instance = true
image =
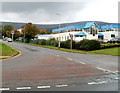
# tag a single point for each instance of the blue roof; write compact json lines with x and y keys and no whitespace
{"x":89,"y":24}
{"x":110,"y":26}
{"x":114,"y":25}
{"x":42,"y":34}
{"x":80,"y":34}
{"x":68,"y":27}
{"x":100,"y":34}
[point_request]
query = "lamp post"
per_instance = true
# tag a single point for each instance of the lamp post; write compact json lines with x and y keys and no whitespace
{"x":59,"y":31}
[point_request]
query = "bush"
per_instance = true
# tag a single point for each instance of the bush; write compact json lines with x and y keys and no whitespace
{"x":67,"y":44}
{"x":109,"y":45}
{"x":88,"y":44}
{"x":40,"y":41}
{"x":43,"y":42}
{"x":35,"y":41}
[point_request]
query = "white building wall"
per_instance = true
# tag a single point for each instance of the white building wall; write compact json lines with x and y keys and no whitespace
{"x":107,"y":35}
{"x":65,"y":36}
{"x":44,"y":36}
{"x":90,"y":36}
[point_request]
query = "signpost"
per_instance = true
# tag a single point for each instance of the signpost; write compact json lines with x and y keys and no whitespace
{"x":12,"y":32}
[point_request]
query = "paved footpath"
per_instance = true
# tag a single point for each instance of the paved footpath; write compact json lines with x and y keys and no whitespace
{"x":45,"y":69}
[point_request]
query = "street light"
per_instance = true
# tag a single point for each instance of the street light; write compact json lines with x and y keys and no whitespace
{"x":59,"y":31}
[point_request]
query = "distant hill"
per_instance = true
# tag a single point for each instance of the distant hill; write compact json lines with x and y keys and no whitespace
{"x":49,"y":27}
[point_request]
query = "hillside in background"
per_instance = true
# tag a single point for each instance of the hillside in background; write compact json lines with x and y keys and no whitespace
{"x":49,"y":27}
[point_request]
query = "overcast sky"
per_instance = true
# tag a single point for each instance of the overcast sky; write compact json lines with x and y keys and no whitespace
{"x":45,"y":12}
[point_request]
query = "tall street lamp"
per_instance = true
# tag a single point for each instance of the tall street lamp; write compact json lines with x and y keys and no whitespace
{"x":59,"y":31}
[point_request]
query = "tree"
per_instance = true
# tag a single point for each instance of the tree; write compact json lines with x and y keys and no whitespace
{"x":0,"y":31}
{"x":17,"y":34}
{"x":42,"y":31}
{"x":30,"y":31}
{"x":7,"y":30}
{"x":8,"y":34}
{"x":8,"y":27}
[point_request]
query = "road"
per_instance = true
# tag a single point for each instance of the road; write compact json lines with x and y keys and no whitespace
{"x":42,"y":69}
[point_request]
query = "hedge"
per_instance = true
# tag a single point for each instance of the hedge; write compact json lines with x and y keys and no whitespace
{"x":88,"y":44}
{"x":82,"y":45}
{"x":109,"y":45}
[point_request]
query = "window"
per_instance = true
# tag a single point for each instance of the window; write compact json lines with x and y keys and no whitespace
{"x":112,"y":35}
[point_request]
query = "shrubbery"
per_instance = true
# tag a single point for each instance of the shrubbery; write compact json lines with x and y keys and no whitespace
{"x":82,"y":45}
{"x":88,"y":44}
{"x":109,"y":45}
{"x":46,"y":42}
{"x":67,"y":44}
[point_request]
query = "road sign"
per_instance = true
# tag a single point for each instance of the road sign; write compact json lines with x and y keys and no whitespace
{"x":12,"y":32}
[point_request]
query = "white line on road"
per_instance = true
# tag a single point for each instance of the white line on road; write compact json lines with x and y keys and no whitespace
{"x":91,"y":83}
{"x":61,"y":86}
{"x":69,"y":59}
{"x":20,"y":88}
{"x":52,"y":54}
{"x":43,"y":86}
{"x":80,"y":62}
{"x":4,"y":88}
{"x":57,"y":55}
{"x":105,"y":70}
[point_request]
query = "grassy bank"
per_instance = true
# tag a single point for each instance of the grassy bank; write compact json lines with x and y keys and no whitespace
{"x":109,"y":51}
{"x":7,"y":50}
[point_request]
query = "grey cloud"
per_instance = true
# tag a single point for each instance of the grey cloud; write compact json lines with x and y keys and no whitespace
{"x":43,"y":11}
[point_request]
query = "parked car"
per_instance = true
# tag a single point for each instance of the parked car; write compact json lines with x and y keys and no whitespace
{"x":9,"y":40}
{"x":105,"y":41}
{"x":115,"y":40}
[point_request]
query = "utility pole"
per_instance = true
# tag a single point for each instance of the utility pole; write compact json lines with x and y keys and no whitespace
{"x":59,"y":31}
{"x":71,"y":36}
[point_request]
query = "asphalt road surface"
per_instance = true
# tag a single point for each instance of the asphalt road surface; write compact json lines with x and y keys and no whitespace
{"x":42,"y":69}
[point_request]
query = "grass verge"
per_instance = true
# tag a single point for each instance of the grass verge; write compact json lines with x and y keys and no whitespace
{"x":109,"y":51}
{"x":6,"y":51}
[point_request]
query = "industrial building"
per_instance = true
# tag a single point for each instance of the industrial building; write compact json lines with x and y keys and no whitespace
{"x":90,"y":30}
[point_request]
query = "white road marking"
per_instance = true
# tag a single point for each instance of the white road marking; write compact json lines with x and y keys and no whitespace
{"x":69,"y":59}
{"x":91,"y":83}
{"x":58,"y":55}
{"x":4,"y":88}
{"x":105,"y":70}
{"x":101,"y":69}
{"x":80,"y":62}
{"x":43,"y":86}
{"x":19,"y":88}
{"x":61,"y":85}
{"x":52,"y":54}
{"x":117,"y":78}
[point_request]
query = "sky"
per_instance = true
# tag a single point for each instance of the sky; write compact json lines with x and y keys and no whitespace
{"x":45,"y":12}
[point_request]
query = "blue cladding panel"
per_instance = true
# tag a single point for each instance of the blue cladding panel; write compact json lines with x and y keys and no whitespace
{"x":100,"y":34}
{"x":80,"y":34}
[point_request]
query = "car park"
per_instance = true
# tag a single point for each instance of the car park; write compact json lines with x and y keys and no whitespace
{"x":115,"y":40}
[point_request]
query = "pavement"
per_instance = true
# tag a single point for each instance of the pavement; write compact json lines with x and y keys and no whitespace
{"x":42,"y":69}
